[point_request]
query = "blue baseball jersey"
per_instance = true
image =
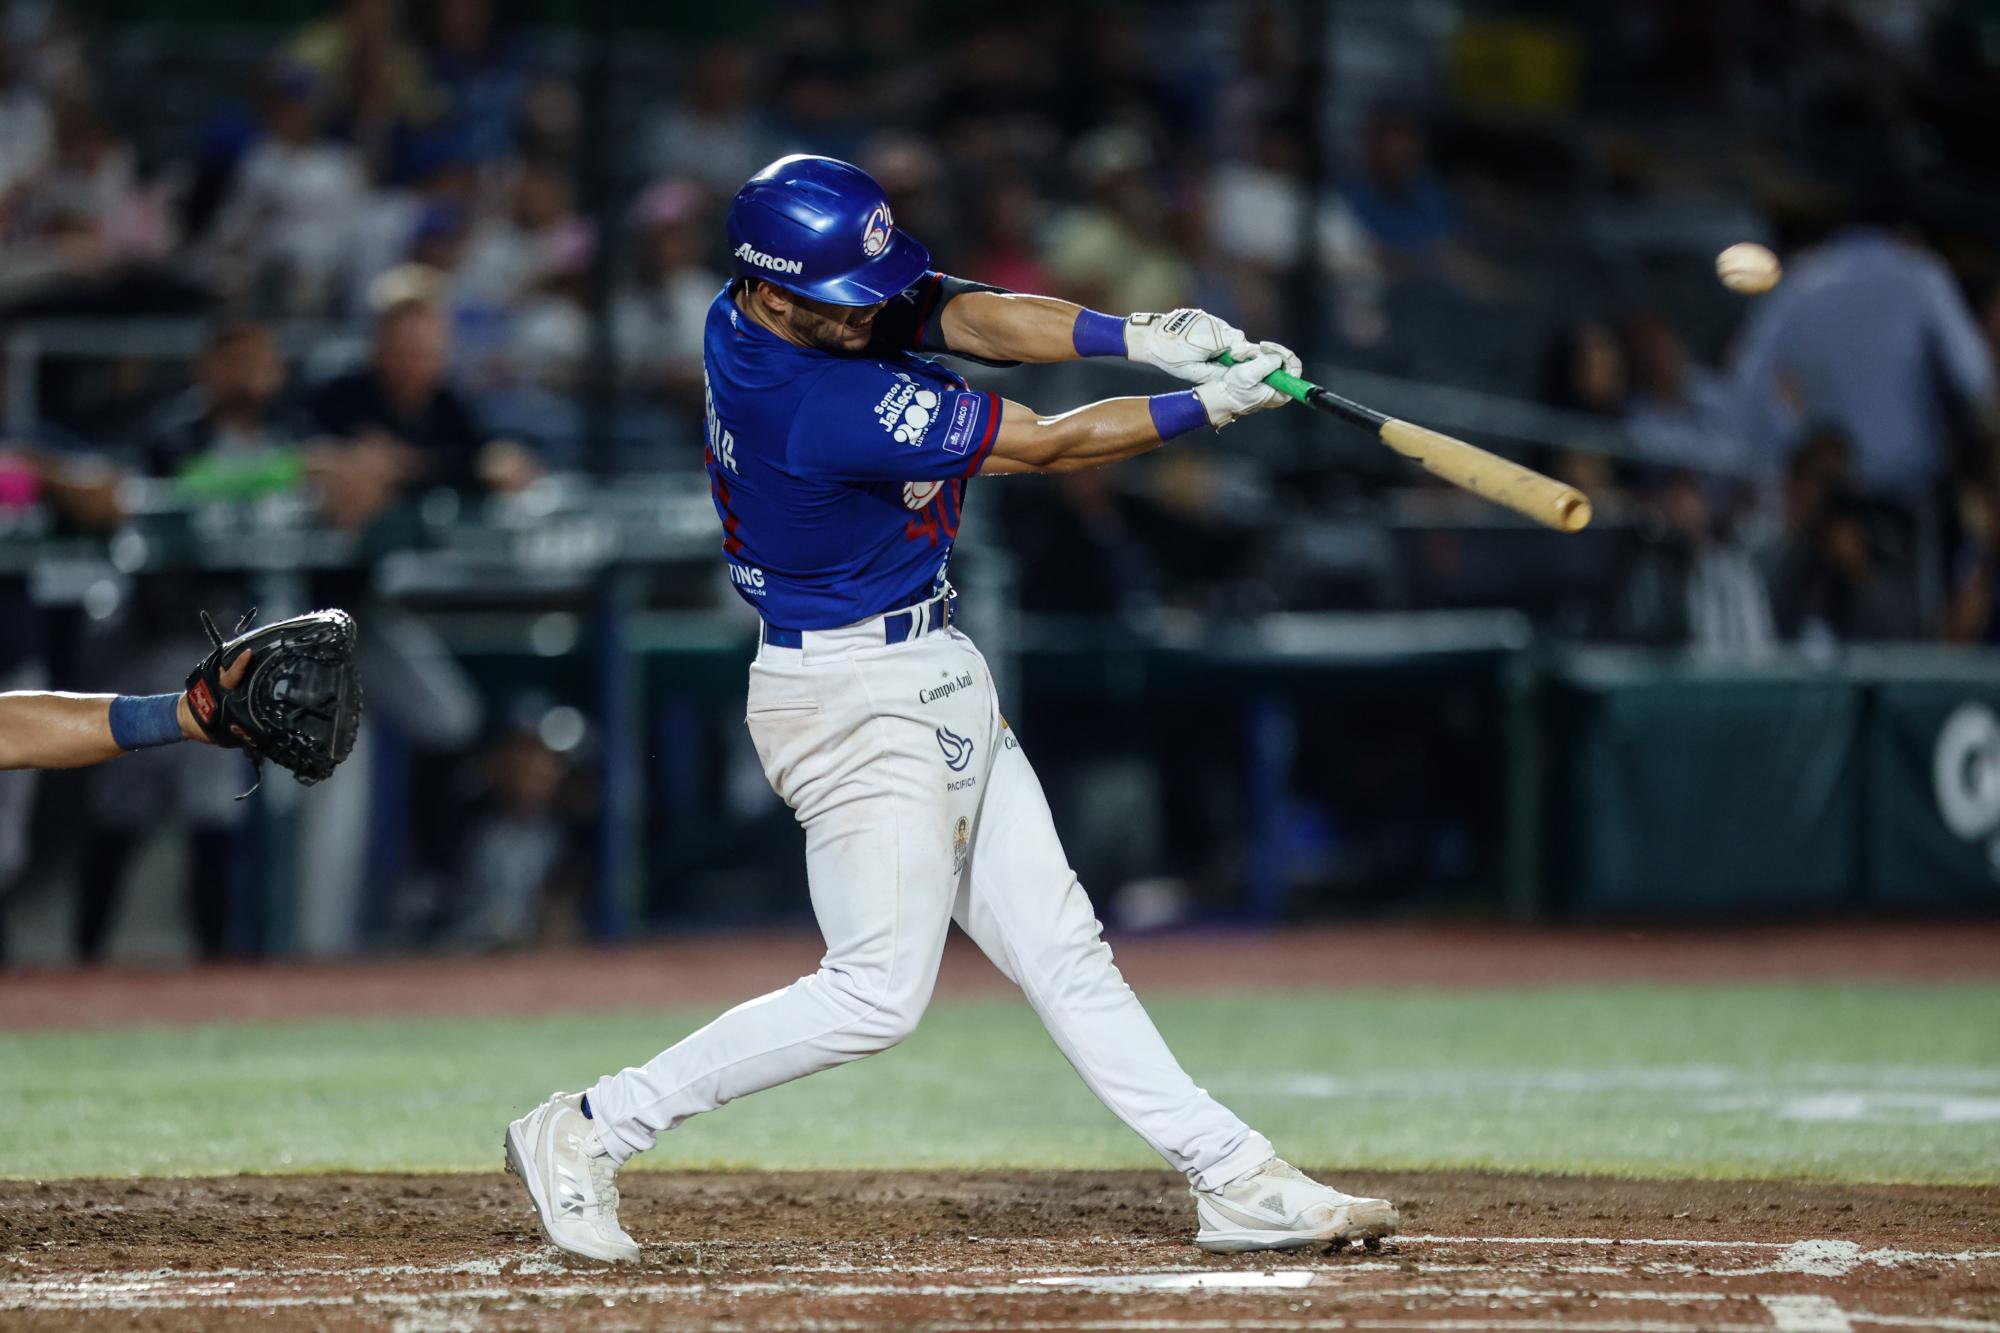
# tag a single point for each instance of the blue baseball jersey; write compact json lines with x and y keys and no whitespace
{"x":840,"y":480}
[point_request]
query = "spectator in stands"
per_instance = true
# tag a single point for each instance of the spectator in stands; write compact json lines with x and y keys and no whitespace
{"x":84,"y":227}
{"x":1584,"y":370}
{"x":234,"y":413}
{"x":1262,"y":87}
{"x":1843,"y":572}
{"x":27,"y":130}
{"x":718,"y":135}
{"x":373,"y":112}
{"x":1868,"y":332}
{"x":1254,"y":223}
{"x":1692,"y":584}
{"x":287,"y":228}
{"x":660,"y":312}
{"x":441,"y":241}
{"x":551,"y":125}
{"x":511,"y":250}
{"x":548,"y":338}
{"x":1398,"y":196}
{"x":1114,"y":252}
{"x":400,"y":424}
{"x":523,"y":857}
{"x":1678,"y":413}
{"x":1006,"y":254}
{"x":362,"y":48}
{"x":419,"y":219}
{"x":481,"y":75}
{"x":817,"y":100}
{"x":1972,"y":614}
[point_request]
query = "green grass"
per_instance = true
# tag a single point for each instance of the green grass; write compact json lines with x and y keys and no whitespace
{"x":1855,"y":1083}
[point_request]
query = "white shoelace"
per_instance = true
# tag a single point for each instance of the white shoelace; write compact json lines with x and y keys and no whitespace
{"x":603,"y":1184}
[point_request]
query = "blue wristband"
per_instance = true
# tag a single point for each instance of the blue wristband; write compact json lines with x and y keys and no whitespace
{"x":1176,"y":413}
{"x":1098,"y":334}
{"x":140,"y":721}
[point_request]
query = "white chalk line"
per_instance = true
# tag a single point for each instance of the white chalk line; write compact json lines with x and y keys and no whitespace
{"x":1822,"y":1258}
{"x":1807,"y":1314}
{"x":1407,"y":1325}
{"x":167,"y":1289}
{"x":1788,"y":1314}
{"x":439,"y":1306}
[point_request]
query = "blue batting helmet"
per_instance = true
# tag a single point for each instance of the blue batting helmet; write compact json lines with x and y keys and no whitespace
{"x":821,"y":227}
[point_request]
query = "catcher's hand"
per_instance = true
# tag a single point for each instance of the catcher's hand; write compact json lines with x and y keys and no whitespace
{"x":299,"y":702}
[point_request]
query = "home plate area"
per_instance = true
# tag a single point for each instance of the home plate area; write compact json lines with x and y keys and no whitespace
{"x":994,"y":1250}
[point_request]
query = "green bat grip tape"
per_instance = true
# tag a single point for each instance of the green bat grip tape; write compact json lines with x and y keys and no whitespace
{"x":1282,"y":380}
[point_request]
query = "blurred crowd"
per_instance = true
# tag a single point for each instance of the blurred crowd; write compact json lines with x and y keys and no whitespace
{"x":428,"y":246}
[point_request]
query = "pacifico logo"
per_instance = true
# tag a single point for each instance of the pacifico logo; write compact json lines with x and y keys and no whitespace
{"x":749,"y":254}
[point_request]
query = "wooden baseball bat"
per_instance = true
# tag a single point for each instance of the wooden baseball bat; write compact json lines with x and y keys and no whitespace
{"x":1489,"y":476}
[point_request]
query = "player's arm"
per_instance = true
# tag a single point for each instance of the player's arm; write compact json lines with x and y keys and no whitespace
{"x":1006,"y":327}
{"x":941,"y":313}
{"x":47,"y":729}
{"x":1120,"y":428}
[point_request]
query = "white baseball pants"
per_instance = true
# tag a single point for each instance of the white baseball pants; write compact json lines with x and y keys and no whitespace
{"x":919,"y":810}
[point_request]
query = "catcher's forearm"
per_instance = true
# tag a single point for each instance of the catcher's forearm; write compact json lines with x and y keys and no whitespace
{"x":46,"y":729}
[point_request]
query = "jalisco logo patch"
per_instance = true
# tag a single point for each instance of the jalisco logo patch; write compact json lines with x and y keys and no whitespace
{"x":875,"y":233}
{"x":906,"y":410}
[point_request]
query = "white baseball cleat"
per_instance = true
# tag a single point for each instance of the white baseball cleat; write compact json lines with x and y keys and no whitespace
{"x":1279,"y":1207}
{"x":571,"y":1178}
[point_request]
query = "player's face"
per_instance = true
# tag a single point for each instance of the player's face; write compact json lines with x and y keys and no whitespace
{"x":831,"y":328}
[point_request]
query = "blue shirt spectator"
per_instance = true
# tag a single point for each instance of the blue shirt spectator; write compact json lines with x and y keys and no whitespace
{"x":1400,"y":199}
{"x":1868,"y":333}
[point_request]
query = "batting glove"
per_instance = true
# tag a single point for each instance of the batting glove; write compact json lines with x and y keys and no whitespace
{"x":1240,"y":390}
{"x":1184,"y":343}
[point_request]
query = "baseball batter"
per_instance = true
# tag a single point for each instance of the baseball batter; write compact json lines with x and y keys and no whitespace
{"x":838,"y":455}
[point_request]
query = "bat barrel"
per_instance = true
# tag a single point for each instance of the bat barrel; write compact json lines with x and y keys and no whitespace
{"x":1544,"y":499}
{"x":1523,"y":490}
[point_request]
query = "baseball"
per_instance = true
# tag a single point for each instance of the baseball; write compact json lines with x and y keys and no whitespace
{"x":1748,"y":267}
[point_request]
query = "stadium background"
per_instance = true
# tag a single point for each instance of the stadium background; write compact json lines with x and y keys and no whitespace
{"x":1268,"y":675}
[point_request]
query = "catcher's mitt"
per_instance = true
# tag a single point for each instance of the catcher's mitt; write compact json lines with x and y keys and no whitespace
{"x":300,"y":704}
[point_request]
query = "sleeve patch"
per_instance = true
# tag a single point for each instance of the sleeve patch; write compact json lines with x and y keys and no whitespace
{"x":964,"y":424}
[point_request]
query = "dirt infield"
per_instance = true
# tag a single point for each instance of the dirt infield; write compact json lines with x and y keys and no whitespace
{"x":990,"y":1251}
{"x":727,"y":968}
